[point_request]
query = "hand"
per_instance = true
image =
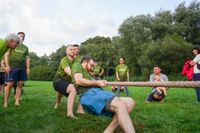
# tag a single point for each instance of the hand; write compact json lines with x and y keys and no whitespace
{"x":27,"y":71}
{"x":7,"y":69}
{"x":118,"y":79}
{"x":101,"y":83}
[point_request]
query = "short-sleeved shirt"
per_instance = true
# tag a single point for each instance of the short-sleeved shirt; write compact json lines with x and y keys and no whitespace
{"x":18,"y":56}
{"x":3,"y":48}
{"x":122,"y":70}
{"x":97,"y":70}
{"x":163,"y":77}
{"x":60,"y":74}
{"x":78,"y":68}
{"x":196,"y":60}
{"x":77,"y":59}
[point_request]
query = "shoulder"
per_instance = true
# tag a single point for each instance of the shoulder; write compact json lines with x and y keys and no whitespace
{"x":76,"y":67}
{"x":164,"y":76}
{"x":152,"y":75}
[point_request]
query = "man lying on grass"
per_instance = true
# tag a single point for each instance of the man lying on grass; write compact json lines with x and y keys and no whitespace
{"x":98,"y":101}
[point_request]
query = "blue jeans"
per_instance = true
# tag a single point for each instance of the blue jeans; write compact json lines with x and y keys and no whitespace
{"x":196,"y":77}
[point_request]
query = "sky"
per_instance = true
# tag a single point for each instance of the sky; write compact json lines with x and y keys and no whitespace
{"x":49,"y":24}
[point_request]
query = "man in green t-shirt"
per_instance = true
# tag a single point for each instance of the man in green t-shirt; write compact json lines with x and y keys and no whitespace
{"x":11,"y":41}
{"x":63,"y":81}
{"x":97,"y":72}
{"x":77,"y":57}
{"x":17,"y":63}
{"x":122,"y":74}
{"x":98,"y":101}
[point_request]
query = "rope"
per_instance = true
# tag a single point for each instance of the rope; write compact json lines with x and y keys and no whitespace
{"x":177,"y":84}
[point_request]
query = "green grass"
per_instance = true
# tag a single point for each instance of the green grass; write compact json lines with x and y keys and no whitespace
{"x":177,"y":114}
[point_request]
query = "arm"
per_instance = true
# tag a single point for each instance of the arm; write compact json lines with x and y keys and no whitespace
{"x":88,"y":83}
{"x":195,"y":60}
{"x":127,"y":74}
{"x":151,"y":78}
{"x":102,"y":71}
{"x":7,"y":63}
{"x":117,"y":75}
{"x":67,"y":70}
{"x":3,"y":66}
{"x":27,"y":65}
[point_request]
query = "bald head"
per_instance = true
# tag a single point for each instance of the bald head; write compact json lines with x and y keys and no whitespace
{"x":70,"y":51}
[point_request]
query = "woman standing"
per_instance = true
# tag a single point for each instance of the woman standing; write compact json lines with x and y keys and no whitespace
{"x":196,"y":64}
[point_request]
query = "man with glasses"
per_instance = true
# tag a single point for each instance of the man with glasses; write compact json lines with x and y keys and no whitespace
{"x":98,"y":101}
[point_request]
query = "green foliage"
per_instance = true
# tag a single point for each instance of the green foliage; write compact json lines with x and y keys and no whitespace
{"x":55,"y":57}
{"x":169,"y":53}
{"x":45,"y":73}
{"x":102,"y":50}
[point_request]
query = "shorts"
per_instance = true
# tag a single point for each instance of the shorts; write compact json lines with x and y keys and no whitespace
{"x":61,"y":85}
{"x":2,"y":78}
{"x":95,"y":101}
{"x":16,"y":74}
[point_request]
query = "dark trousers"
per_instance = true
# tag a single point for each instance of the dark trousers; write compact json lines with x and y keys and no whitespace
{"x":196,"y":77}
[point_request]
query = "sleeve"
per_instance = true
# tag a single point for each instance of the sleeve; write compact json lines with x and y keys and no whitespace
{"x":27,"y":52}
{"x":117,"y":69}
{"x":64,"y":64}
{"x":166,"y":78}
{"x":76,"y":68}
{"x":197,"y":58}
{"x":127,"y":69}
{"x":151,"y":78}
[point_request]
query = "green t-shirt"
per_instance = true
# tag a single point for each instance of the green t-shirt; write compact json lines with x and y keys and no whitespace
{"x":122,"y":70}
{"x":65,"y":62}
{"x":3,"y":48}
{"x":18,"y":56}
{"x":77,"y":68}
{"x":97,"y":70}
{"x":77,"y":59}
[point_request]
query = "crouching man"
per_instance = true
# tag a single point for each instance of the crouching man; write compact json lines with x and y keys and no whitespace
{"x":98,"y":101}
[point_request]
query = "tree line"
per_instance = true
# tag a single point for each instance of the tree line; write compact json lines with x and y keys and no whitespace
{"x":165,"y":39}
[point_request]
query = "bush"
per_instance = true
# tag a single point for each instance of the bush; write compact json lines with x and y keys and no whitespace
{"x":44,"y":73}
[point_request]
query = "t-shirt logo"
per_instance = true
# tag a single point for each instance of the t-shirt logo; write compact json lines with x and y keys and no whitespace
{"x":122,"y":69}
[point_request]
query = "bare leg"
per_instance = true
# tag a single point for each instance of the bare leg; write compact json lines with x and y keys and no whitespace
{"x":122,"y":107}
{"x":80,"y":109}
{"x":18,"y":92}
{"x":70,"y":102}
{"x":2,"y":88}
{"x":58,"y":99}
{"x":7,"y":93}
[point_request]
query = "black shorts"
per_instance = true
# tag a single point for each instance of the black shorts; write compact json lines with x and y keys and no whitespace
{"x":61,"y":85}
{"x":2,"y":78}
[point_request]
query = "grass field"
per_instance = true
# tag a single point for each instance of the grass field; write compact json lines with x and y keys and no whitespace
{"x":177,"y":114}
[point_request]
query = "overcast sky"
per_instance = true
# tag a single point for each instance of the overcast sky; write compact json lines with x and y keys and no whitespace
{"x":48,"y":24}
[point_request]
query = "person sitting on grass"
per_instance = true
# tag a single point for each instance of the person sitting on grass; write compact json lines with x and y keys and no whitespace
{"x":158,"y":93}
{"x":160,"y":89}
{"x":63,"y":81}
{"x":98,"y":101}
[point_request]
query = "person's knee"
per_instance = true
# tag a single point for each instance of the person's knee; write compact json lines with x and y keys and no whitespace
{"x":20,"y":84}
{"x":71,"y":89}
